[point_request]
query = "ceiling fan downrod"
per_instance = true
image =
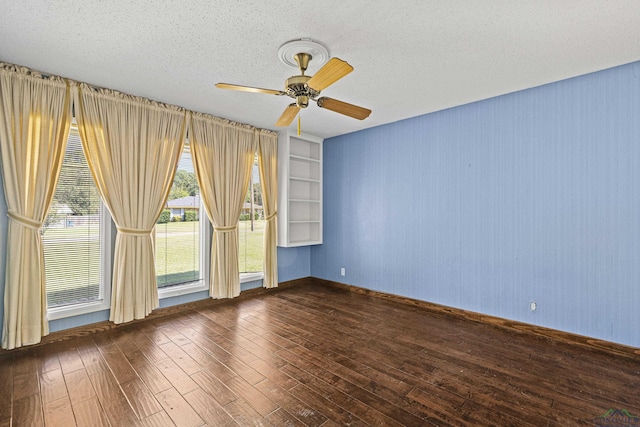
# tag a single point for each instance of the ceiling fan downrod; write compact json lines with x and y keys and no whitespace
{"x":303,"y":61}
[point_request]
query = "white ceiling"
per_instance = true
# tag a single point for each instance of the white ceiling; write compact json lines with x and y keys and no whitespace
{"x":410,"y":57}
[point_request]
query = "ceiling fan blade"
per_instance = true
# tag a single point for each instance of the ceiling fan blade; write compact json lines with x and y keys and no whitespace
{"x":343,"y":108}
{"x":288,"y":115}
{"x":330,"y":73}
{"x":249,"y":89}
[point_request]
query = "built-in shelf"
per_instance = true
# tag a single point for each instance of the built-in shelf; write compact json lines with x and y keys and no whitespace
{"x":300,"y":190}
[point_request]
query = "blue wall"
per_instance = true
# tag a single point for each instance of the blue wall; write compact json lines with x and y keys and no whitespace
{"x":531,"y":196}
{"x":294,"y":263}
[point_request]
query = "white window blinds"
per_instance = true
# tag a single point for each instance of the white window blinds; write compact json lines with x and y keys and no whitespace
{"x":72,"y":234}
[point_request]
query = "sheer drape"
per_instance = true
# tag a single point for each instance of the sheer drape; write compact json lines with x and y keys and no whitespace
{"x":268,"y":163}
{"x":132,"y":146}
{"x":223,"y":155}
{"x":35,"y":115}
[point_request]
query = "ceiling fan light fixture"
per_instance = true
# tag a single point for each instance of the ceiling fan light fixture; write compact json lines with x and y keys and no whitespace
{"x":302,"y":101}
{"x":288,"y":51}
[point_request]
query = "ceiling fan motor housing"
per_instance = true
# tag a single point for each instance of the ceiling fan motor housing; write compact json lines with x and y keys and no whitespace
{"x":296,"y":87}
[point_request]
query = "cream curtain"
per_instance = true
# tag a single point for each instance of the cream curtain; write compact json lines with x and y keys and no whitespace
{"x":268,"y":163}
{"x":132,"y":146}
{"x":223,"y":155}
{"x":35,"y":115}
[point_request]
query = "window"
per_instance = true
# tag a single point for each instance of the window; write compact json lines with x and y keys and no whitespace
{"x":182,"y":243}
{"x":76,"y":236}
{"x":251,"y":228}
{"x":178,"y":241}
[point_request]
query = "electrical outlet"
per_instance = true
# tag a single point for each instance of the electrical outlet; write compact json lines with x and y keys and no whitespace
{"x":533,"y":306}
{"x":343,"y":271}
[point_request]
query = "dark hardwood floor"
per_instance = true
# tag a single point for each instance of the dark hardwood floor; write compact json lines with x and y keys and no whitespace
{"x":316,"y":356}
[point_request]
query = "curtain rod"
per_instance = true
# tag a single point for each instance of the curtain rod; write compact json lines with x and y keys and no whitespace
{"x":15,"y":67}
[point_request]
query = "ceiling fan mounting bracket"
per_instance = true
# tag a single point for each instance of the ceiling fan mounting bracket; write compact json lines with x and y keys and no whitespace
{"x":317,"y":52}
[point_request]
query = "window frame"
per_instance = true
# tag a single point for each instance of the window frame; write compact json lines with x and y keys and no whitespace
{"x":106,"y":265}
{"x":201,"y":284}
{"x":206,"y":233}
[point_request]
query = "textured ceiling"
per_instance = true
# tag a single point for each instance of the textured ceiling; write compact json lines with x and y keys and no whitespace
{"x":410,"y":57}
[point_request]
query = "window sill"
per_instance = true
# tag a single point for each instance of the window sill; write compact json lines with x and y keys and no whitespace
{"x":188,"y":288}
{"x":251,"y":277}
{"x":201,"y":285}
{"x":76,"y":310}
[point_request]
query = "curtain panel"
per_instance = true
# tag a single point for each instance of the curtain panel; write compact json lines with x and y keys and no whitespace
{"x":223,"y":154}
{"x":132,"y":146}
{"x":35,"y":115}
{"x":268,"y":164}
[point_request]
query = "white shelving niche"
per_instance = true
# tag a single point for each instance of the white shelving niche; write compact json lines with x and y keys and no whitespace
{"x":300,"y":190}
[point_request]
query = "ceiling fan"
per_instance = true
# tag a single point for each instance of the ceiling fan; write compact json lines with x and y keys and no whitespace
{"x":303,"y":88}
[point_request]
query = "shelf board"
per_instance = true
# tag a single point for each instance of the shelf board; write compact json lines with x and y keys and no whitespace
{"x":293,"y":178}
{"x":304,"y":200}
{"x":294,"y":243}
{"x":304,"y":159}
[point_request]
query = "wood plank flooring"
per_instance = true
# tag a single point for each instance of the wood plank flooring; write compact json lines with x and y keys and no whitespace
{"x":313,"y":355}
